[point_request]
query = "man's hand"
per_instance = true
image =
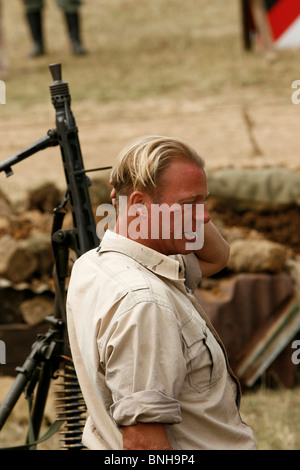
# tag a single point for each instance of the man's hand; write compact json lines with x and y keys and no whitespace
{"x":214,"y":255}
{"x":145,"y":436}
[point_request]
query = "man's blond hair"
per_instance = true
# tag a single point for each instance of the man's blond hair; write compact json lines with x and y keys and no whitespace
{"x":142,"y":161}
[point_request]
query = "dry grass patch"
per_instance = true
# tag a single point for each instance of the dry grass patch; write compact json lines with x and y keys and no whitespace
{"x":274,"y":418}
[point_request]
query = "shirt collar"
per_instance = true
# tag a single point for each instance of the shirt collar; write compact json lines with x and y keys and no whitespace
{"x":171,"y":267}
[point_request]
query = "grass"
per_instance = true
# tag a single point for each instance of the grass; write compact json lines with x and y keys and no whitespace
{"x":274,"y":418}
{"x":272,"y":414}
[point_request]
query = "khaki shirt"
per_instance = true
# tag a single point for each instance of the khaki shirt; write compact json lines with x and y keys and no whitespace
{"x":144,"y":351}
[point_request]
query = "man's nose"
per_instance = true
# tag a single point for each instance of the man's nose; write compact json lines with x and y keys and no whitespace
{"x":201,"y":214}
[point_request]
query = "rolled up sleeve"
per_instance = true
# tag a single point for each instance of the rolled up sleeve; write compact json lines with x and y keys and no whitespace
{"x":144,"y":365}
{"x":150,"y":406}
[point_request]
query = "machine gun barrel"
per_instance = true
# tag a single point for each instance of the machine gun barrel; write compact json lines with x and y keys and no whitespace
{"x":77,"y":181}
{"x":48,"y":351}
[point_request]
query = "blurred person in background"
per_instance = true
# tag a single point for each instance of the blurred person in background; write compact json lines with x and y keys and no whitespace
{"x":34,"y":18}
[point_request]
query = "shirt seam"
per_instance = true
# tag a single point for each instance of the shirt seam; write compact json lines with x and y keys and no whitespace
{"x":133,"y":304}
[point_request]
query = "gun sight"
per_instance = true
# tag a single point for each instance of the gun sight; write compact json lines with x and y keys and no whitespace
{"x":55,"y":70}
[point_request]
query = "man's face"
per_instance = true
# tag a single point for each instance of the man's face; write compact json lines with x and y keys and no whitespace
{"x":182,"y":187}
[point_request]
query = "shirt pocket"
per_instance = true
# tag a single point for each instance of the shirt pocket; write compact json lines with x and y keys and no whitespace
{"x":205,"y":359}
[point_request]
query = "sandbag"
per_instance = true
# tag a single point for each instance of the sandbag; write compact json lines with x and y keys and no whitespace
{"x":255,"y":189}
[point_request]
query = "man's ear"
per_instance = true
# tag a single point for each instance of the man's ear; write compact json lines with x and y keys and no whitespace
{"x":137,"y":197}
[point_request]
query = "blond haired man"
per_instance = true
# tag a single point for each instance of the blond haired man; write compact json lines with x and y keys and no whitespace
{"x":153,"y":371}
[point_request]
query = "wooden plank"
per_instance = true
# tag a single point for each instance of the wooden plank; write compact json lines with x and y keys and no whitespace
{"x":268,"y":343}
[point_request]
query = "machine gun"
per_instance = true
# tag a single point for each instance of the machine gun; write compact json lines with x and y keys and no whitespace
{"x":50,"y":350}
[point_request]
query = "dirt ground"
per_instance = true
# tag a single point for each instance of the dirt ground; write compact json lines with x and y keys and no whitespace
{"x":242,"y":115}
{"x":278,"y":226}
{"x":221,"y":134}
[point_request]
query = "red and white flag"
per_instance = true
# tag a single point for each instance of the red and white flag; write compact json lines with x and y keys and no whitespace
{"x":284,"y":18}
